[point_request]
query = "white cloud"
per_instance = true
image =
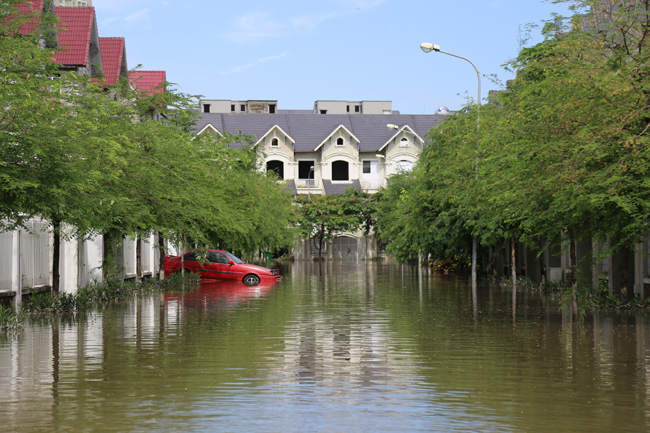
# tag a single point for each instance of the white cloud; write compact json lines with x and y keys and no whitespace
{"x":242,"y":68}
{"x":255,"y":26}
{"x":141,"y":15}
{"x":259,"y":25}
{"x":309,"y":22}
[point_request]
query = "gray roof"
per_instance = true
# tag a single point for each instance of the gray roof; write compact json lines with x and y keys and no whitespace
{"x":339,"y":188}
{"x":309,"y":130}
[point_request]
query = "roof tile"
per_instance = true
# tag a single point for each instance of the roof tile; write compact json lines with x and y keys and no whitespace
{"x":113,"y":56}
{"x":75,"y":31}
{"x":309,"y":130}
{"x":148,"y":80}
{"x":26,"y":8}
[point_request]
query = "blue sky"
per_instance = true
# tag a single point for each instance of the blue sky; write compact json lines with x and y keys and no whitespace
{"x":298,"y":52}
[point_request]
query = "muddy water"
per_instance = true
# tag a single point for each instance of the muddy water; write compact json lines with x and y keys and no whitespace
{"x":331,"y":348}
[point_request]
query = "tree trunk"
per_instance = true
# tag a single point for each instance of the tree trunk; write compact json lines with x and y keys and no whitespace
{"x":542,"y":264}
{"x":105,"y":254}
{"x":182,"y":270}
{"x":573,"y":265}
{"x":513,"y":258}
{"x":56,"y":255}
{"x":138,"y":260}
{"x":161,"y":261}
{"x":624,"y":274}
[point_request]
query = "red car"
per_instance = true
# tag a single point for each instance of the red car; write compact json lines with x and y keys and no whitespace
{"x":221,"y":265}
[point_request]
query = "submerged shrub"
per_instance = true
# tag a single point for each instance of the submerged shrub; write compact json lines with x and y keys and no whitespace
{"x":97,"y":293}
{"x":8,"y":318}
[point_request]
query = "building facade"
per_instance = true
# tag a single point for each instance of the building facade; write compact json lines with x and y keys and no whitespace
{"x":336,"y":145}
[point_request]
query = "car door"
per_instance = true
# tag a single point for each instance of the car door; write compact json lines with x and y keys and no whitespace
{"x":220,"y":269}
{"x":191,"y":262}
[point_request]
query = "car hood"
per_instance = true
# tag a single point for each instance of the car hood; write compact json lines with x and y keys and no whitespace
{"x":256,"y":268}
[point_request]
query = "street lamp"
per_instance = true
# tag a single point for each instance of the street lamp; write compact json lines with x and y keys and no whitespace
{"x":309,"y":176}
{"x":427,"y":47}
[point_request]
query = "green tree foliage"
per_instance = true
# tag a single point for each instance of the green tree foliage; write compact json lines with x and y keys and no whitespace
{"x":564,"y":150}
{"x":322,"y":217}
{"x":90,"y":160}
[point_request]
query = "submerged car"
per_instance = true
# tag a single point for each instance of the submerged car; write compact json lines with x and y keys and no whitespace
{"x":220,"y":265}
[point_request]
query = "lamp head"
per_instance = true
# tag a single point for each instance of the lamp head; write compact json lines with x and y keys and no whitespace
{"x":427,"y":47}
{"x":391,"y":126}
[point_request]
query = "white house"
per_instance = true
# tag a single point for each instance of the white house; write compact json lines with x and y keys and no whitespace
{"x":325,"y":150}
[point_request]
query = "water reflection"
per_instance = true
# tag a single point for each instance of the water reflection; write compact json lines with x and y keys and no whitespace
{"x":332,"y":347}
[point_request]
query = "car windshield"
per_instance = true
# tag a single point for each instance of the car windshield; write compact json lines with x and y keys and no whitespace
{"x":234,"y":259}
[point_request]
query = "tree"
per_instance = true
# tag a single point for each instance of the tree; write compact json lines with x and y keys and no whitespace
{"x":323,"y":217}
{"x":90,"y":163}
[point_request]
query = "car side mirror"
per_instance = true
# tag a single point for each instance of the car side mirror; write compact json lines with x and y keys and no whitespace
{"x":231,"y":262}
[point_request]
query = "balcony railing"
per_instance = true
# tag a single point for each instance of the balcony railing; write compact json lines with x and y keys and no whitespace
{"x":304,"y":183}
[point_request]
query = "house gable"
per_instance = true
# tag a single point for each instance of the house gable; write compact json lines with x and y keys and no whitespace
{"x":78,"y":40}
{"x":276,"y":143}
{"x":34,"y":10}
{"x":340,"y":144}
{"x":405,"y":137}
{"x":114,"y":60}
{"x":149,"y":82}
{"x":210,"y":130}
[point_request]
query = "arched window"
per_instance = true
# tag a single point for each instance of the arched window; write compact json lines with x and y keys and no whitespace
{"x":277,"y":167}
{"x":404,"y":142}
{"x":340,"y":170}
{"x":275,"y":143}
{"x":404,"y":165}
{"x":339,"y":142}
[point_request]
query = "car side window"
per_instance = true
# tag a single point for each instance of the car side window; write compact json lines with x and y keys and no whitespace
{"x":217,"y":257}
{"x":191,"y":256}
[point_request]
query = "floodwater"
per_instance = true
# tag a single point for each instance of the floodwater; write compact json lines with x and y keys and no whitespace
{"x":333,"y":347}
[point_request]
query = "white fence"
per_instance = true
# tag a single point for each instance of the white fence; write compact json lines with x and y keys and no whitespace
{"x":26,"y":259}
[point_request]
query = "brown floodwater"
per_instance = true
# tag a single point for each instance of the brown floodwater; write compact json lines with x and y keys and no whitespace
{"x":333,"y":347}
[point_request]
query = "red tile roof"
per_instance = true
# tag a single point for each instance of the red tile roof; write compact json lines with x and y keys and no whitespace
{"x":148,"y":80}
{"x":75,"y":30}
{"x":112,"y":59}
{"x":26,"y":8}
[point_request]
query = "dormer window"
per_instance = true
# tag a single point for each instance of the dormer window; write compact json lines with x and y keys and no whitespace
{"x":206,"y":108}
{"x":275,"y":143}
{"x":339,"y":142}
{"x":404,"y":142}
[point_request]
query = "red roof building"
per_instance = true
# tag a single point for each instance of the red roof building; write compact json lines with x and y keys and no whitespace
{"x":113,"y":59}
{"x":78,"y":40}
{"x":148,"y":81}
{"x":29,"y":8}
{"x":31,"y":12}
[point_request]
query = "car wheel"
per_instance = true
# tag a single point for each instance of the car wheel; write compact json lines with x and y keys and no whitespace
{"x":251,"y":280}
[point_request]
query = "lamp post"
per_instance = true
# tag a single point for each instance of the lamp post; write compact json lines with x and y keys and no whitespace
{"x":311,"y":171}
{"x":427,"y":48}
